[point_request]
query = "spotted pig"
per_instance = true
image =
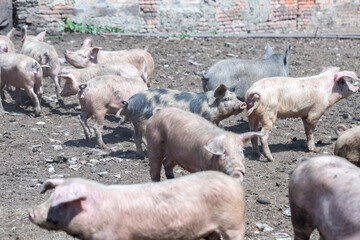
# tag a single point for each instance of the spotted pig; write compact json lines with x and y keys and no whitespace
{"x":214,"y":106}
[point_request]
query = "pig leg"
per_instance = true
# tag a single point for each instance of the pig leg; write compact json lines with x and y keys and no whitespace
{"x":83,"y":117}
{"x":169,"y":166}
{"x":18,"y":96}
{"x":55,"y":79}
{"x":309,"y":126}
{"x":156,"y":156}
{"x":254,"y":124}
{"x":267,"y":125}
{"x":138,"y":140}
{"x":99,"y":122}
{"x":302,"y":223}
{"x":30,"y":92}
{"x":2,"y":94}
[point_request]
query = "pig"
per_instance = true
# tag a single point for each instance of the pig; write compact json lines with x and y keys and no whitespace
{"x":21,"y":71}
{"x":285,"y":97}
{"x":89,"y":56}
{"x":45,"y":54}
{"x":175,"y":136}
{"x":204,"y":204}
{"x":213,"y":105}
{"x":103,"y":95}
{"x":238,"y":75}
{"x":74,"y":77}
{"x":348,"y":144}
{"x":5,"y":41}
{"x":324,"y":194}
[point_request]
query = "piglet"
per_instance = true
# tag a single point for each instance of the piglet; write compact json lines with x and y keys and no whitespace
{"x":199,"y":205}
{"x":285,"y":97}
{"x":74,"y":77}
{"x":184,"y":138}
{"x":21,"y":71}
{"x":45,"y":54}
{"x":104,"y":95}
{"x":324,"y":194}
{"x":89,"y":56}
{"x":348,"y":143}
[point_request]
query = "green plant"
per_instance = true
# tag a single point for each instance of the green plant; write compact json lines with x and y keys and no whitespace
{"x":185,"y":35}
{"x":72,"y":26}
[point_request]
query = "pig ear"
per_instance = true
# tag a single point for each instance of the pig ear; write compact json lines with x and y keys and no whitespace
{"x":268,"y":51}
{"x":23,"y":33}
{"x":87,"y":42}
{"x":68,"y":193}
{"x":216,"y":146}
{"x":220,"y":91}
{"x":51,"y":183}
{"x":342,"y":74}
{"x":144,"y":75}
{"x":287,"y":55}
{"x":68,"y":77}
{"x":93,"y":53}
{"x":247,"y":136}
{"x":41,"y":36}
{"x":10,"y":34}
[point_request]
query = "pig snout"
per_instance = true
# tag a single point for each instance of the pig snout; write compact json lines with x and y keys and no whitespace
{"x":243,"y":105}
{"x":66,"y":52}
{"x":31,"y":215}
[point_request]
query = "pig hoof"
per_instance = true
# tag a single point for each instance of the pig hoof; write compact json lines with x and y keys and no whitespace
{"x":315,"y":149}
{"x":256,"y":154}
{"x":61,"y":103}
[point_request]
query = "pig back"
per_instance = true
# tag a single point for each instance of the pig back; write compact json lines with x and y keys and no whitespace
{"x":322,"y":183}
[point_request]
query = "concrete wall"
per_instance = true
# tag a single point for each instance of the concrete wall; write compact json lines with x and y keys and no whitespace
{"x":207,"y":16}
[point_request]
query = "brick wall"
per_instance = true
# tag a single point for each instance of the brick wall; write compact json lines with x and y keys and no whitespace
{"x":207,"y":16}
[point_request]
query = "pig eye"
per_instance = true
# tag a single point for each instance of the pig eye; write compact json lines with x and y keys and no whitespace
{"x":226,"y":99}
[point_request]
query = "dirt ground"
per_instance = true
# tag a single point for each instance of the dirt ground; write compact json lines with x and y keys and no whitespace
{"x":53,"y":145}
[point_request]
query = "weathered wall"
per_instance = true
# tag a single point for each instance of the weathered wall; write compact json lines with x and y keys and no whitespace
{"x":175,"y":16}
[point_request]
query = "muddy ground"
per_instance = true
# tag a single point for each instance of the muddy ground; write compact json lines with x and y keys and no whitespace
{"x":53,"y":145}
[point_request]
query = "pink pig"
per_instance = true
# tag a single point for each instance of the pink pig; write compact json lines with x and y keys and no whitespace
{"x":199,"y":205}
{"x":89,"y":56}
{"x":180,"y":137}
{"x":45,"y":54}
{"x":286,"y":97}
{"x":104,"y":95}
{"x":21,"y":71}
{"x":74,"y":77}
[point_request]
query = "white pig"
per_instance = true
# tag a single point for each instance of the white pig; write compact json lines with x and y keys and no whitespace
{"x":285,"y":97}
{"x":199,"y":205}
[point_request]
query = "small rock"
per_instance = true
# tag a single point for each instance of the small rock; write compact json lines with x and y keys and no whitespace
{"x":117,"y":175}
{"x":73,"y":160}
{"x":287,"y":212}
{"x":264,"y":227}
{"x":102,"y":173}
{"x":60,"y":158}
{"x":281,"y":236}
{"x":127,"y":172}
{"x":40,"y":123}
{"x":36,"y":148}
{"x":57,"y":176}
{"x":51,"y":169}
{"x":57,"y":147}
{"x":179,"y":171}
{"x":54,"y":141}
{"x":263,"y":200}
{"x":229,"y":44}
{"x":94,"y":161}
{"x":49,"y":160}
